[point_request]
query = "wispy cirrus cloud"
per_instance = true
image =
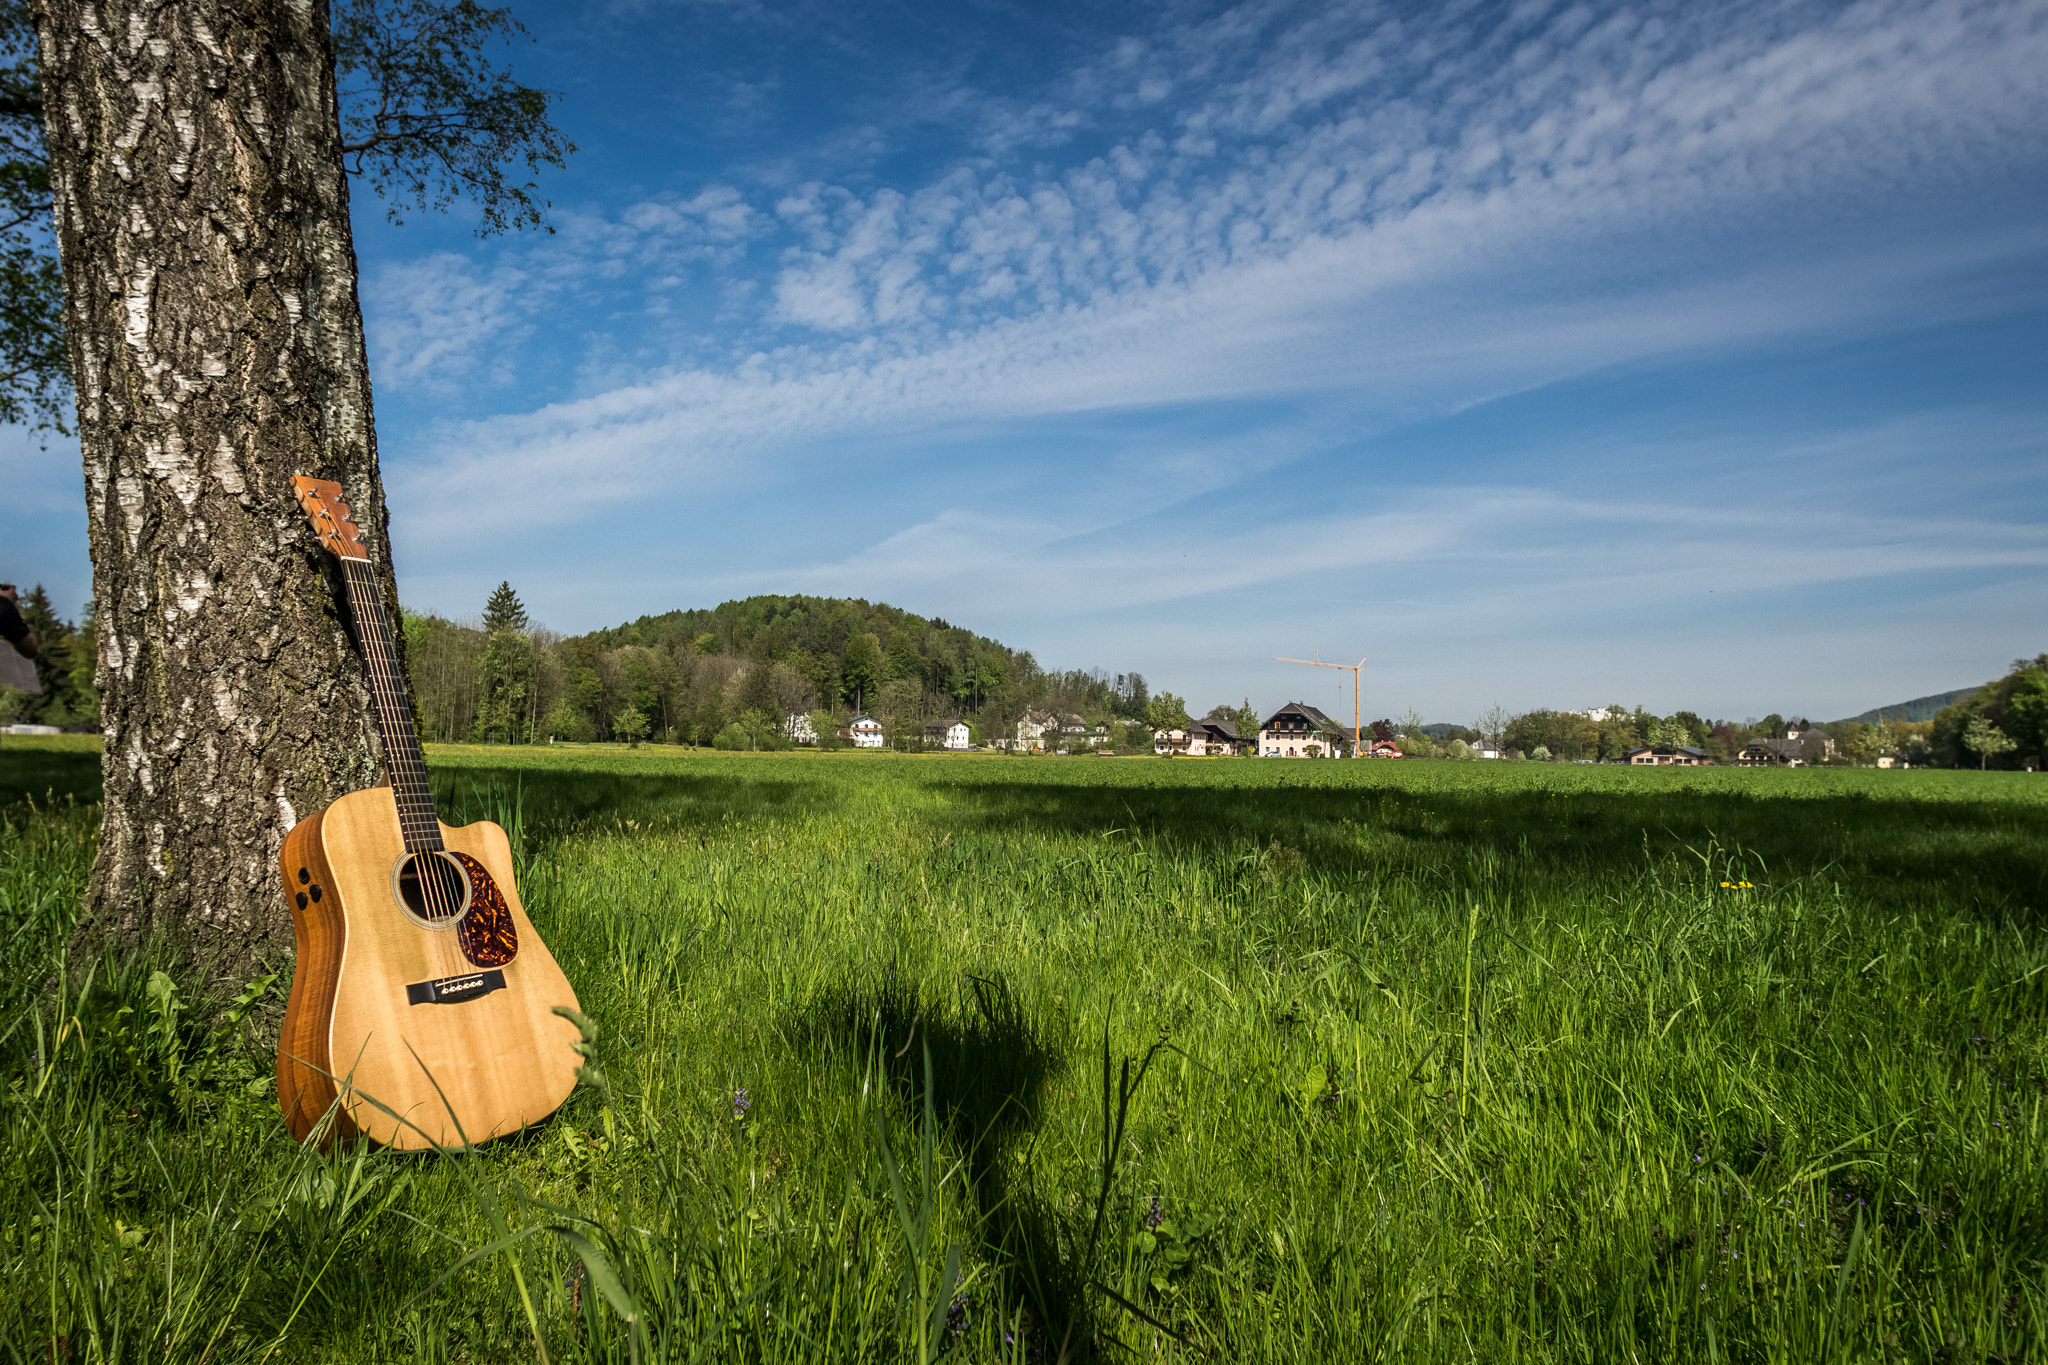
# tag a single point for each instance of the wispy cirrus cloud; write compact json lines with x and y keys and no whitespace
{"x":1528,"y":544}
{"x":1426,"y":210}
{"x":1321,"y":226}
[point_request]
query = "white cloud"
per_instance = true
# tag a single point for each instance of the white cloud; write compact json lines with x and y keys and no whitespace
{"x":1509,"y":551}
{"x":439,"y":322}
{"x":445,"y":322}
{"x":1417,"y":212}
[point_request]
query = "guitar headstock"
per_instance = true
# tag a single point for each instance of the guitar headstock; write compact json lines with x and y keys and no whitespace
{"x":332,"y":521}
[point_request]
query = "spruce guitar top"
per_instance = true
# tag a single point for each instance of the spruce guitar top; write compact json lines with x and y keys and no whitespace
{"x":422,"y":1005}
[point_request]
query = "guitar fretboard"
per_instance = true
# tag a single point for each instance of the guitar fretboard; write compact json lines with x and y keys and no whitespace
{"x":403,"y":759}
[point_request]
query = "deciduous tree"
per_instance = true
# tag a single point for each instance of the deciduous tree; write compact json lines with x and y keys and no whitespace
{"x":427,"y":119}
{"x":1168,"y":712}
{"x":757,"y":690}
{"x":216,"y":349}
{"x":861,"y":676}
{"x":1986,"y":741}
{"x":630,"y":724}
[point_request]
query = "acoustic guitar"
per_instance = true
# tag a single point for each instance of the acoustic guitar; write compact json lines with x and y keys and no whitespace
{"x":422,"y":1000}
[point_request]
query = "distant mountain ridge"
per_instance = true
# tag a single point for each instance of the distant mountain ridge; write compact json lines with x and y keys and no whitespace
{"x":1920,"y":708}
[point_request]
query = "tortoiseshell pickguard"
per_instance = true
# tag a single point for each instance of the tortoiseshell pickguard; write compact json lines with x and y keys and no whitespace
{"x":487,"y":936}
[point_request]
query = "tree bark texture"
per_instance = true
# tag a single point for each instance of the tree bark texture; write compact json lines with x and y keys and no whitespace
{"x":217,"y":344}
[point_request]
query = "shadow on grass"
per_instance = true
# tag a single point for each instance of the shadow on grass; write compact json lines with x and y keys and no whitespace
{"x":38,"y":774}
{"x":1992,"y":856}
{"x":991,"y":1066}
{"x":1988,"y":854}
{"x":555,"y":801}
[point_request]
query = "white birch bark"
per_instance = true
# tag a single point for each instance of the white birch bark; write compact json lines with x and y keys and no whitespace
{"x":217,"y":346}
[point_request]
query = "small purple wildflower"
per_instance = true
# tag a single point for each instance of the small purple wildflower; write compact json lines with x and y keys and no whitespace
{"x":956,"y":1315}
{"x":1157,"y":1215}
{"x":742,"y":1103}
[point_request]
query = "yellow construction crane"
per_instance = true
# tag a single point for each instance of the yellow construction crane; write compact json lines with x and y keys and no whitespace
{"x":1357,"y":688}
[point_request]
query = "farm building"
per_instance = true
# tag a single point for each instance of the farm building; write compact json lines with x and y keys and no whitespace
{"x":1215,"y":738}
{"x":865,"y":732}
{"x":948,"y":734}
{"x":1298,"y":730}
{"x":1040,"y":729}
{"x":1668,"y":755}
{"x":1795,"y":750}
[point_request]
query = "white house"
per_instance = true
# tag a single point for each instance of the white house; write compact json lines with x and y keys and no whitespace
{"x":948,"y":734}
{"x":1037,"y":729}
{"x":798,"y":728}
{"x":866,"y":732}
{"x":1668,"y":756}
{"x":1298,"y":730}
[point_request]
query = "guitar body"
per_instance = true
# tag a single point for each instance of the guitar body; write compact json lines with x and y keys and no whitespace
{"x":385,"y":1008}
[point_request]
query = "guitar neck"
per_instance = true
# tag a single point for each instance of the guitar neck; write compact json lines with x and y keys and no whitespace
{"x":404,"y":761}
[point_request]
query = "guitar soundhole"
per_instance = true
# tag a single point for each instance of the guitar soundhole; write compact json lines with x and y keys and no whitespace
{"x":433,"y":888}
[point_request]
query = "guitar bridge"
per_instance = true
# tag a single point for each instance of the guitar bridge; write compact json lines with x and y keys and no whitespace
{"x":453,"y":990}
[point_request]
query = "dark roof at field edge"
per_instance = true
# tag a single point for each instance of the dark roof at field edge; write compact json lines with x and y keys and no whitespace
{"x":1322,"y":721}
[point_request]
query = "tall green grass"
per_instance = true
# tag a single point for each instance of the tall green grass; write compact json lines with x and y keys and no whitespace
{"x":1068,"y":1058}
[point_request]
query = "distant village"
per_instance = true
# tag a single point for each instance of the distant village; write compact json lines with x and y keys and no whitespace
{"x":1295,"y":730}
{"x":771,"y":672}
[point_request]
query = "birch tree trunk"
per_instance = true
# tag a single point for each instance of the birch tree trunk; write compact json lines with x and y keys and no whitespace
{"x":202,"y":217}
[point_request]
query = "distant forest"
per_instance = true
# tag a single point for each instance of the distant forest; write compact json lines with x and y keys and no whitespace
{"x":736,"y":671}
{"x":733,"y":675}
{"x":1920,"y":708}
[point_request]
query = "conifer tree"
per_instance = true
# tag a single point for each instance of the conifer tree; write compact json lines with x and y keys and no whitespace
{"x":504,"y":611}
{"x":507,"y":668}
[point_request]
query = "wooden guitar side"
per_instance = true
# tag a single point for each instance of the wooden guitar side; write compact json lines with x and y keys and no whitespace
{"x":498,"y":1061}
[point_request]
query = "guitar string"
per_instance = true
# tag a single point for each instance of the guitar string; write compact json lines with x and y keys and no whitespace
{"x":410,"y":786}
{"x":419,"y":826}
{"x":437,"y":893}
{"x":364,"y":604}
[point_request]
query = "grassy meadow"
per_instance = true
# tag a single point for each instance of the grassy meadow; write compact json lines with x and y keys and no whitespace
{"x":1007,"y":1059}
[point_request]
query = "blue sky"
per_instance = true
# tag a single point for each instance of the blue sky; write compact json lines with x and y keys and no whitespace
{"x":1693,"y":355}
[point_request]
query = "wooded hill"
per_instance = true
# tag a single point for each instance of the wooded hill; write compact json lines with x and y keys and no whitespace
{"x":1920,"y":708}
{"x":690,"y":676}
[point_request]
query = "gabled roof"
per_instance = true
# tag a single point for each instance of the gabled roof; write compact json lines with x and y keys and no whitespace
{"x":1666,"y":749}
{"x":1226,"y":728}
{"x":1315,"y":717}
